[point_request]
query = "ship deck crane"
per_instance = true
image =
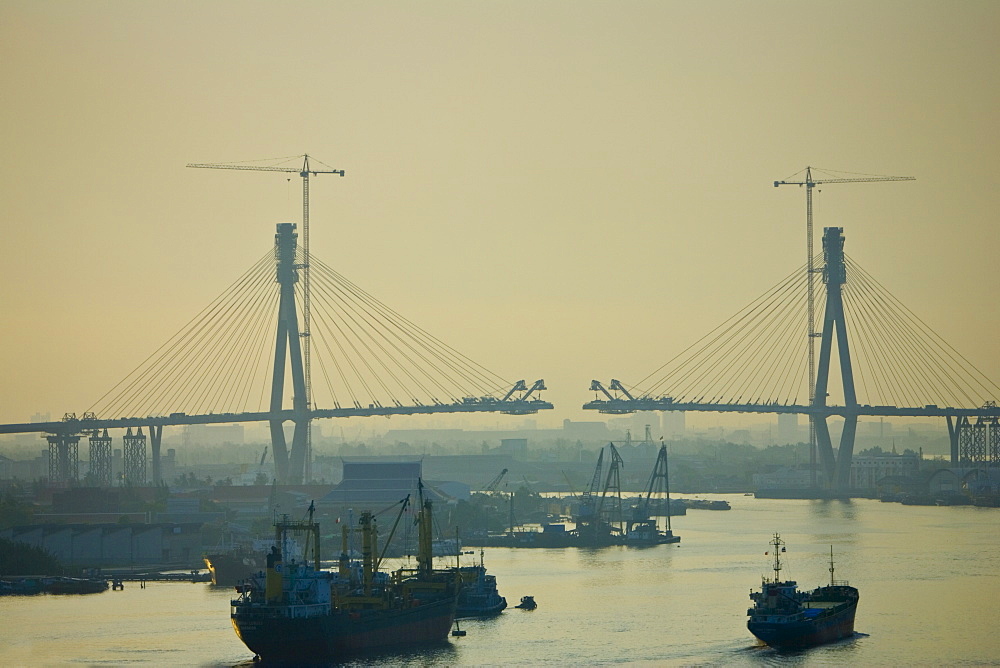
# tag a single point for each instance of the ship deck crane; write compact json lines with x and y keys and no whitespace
{"x":809,"y":182}
{"x":305,"y":172}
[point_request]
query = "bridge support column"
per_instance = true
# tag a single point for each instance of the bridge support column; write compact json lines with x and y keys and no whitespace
{"x":134,"y":458}
{"x":824,"y":445}
{"x":64,"y":458}
{"x":954,"y":432}
{"x":155,"y":437}
{"x":100,"y":459}
{"x":846,"y":452}
{"x":994,"y":443}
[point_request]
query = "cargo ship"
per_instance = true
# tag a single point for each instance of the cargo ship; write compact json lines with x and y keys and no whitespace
{"x":786,"y":618}
{"x":296,"y":612}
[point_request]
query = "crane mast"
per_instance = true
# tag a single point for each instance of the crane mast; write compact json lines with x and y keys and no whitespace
{"x":809,"y":184}
{"x":304,"y":172}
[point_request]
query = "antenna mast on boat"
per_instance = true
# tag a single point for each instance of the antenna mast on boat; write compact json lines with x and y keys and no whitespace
{"x":777,"y":543}
{"x":831,"y":565}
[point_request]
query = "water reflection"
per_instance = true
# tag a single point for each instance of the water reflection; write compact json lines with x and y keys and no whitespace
{"x":844,"y":509}
{"x":445,"y":654}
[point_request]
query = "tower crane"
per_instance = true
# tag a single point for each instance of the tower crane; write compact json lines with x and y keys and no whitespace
{"x":305,"y":172}
{"x":809,"y":182}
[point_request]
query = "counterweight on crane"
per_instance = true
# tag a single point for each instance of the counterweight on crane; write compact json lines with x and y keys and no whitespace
{"x":809,"y":182}
{"x":305,"y":172}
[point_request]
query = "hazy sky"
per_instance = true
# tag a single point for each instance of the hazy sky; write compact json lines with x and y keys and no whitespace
{"x":560,"y":190}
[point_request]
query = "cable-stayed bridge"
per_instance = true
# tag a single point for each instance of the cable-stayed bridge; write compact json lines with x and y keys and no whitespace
{"x":890,"y":364}
{"x":241,"y":360}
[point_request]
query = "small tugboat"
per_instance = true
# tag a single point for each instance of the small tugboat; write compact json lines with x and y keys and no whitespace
{"x":296,"y":612}
{"x":479,"y":596}
{"x":785,"y":618}
{"x":527,"y":603}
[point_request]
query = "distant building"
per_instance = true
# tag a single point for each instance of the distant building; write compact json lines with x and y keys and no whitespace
{"x":868,"y":470}
{"x":213,"y":434}
{"x":24,"y":469}
{"x":517,"y":448}
{"x":586,"y":430}
{"x":788,"y":429}
{"x":783,"y":478}
{"x":375,"y":483}
{"x":105,"y":545}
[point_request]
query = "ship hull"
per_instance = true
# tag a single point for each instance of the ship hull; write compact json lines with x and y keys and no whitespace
{"x":340,"y":633}
{"x":809,"y":632}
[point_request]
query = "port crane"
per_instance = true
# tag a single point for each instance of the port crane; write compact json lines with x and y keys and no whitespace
{"x":305,"y":172}
{"x":612,"y":484}
{"x":492,"y":485}
{"x":657,"y":492}
{"x":810,"y":183}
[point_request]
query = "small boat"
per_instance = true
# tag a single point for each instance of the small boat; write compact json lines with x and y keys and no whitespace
{"x":21,"y":586}
{"x":708,"y":504}
{"x":527,"y":603}
{"x":63,"y":585}
{"x":784,"y":617}
{"x":478,"y":596}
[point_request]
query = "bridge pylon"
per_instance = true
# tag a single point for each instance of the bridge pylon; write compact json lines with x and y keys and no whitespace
{"x":289,"y":466}
{"x":837,"y":469}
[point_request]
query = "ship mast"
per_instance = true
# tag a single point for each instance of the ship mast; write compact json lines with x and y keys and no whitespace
{"x":831,"y":565}
{"x":778,"y":547}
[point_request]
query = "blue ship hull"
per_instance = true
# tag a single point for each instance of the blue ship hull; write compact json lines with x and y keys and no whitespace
{"x":811,"y":626}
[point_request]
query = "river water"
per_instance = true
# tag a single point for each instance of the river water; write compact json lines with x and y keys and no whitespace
{"x":929,"y":579}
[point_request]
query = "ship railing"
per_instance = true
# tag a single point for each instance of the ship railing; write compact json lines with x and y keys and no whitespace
{"x":283,"y":611}
{"x":840,"y":583}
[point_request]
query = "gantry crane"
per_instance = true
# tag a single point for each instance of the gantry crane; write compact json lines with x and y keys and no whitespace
{"x":809,"y":182}
{"x":305,"y":172}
